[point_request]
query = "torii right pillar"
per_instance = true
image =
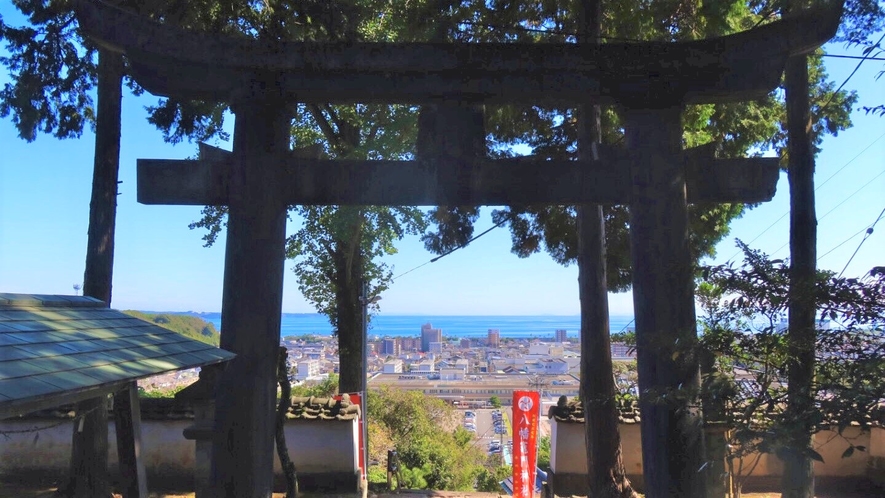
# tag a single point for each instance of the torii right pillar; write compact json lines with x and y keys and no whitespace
{"x":664,"y":309}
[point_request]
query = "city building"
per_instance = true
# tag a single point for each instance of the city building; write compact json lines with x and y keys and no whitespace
{"x":465,"y":343}
{"x":390,"y":346}
{"x":408,"y":344}
{"x":307,"y":369}
{"x":622,"y":351}
{"x":553,"y":366}
{"x":429,"y":335}
{"x":425,"y":366}
{"x":436,"y":347}
{"x":494,"y":340}
{"x":393,"y":366}
{"x":539,"y":349}
{"x":561,"y":335}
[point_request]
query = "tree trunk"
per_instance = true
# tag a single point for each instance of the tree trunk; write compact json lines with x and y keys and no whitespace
{"x":285,"y":403}
{"x":348,"y":288}
{"x":89,"y":446}
{"x":798,"y":477}
{"x":607,"y":476}
{"x":243,"y":444}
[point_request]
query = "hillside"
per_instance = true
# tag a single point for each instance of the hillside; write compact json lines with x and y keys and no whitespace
{"x":186,"y":325}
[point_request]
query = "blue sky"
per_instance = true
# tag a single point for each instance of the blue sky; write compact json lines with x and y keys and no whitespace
{"x":161,"y":265}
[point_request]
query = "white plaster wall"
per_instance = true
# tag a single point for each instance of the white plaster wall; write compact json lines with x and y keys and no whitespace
{"x":567,"y":453}
{"x":877,"y":442}
{"x":322,"y":445}
{"x":164,"y":449}
{"x":316,"y":445}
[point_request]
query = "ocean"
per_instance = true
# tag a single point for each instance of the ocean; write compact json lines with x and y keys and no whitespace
{"x":451,"y":325}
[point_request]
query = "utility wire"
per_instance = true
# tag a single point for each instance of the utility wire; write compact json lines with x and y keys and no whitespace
{"x":862,"y":230}
{"x":864,"y":239}
{"x":842,"y":56}
{"x":775,"y":222}
{"x":865,"y":57}
{"x":462,"y":246}
{"x":865,"y":185}
{"x":846,"y":199}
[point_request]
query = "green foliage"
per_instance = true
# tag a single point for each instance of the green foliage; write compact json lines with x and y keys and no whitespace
{"x":490,"y":478}
{"x":747,"y":356}
{"x":186,"y":325}
{"x":166,"y":393}
{"x":52,"y":72}
{"x":627,"y":337}
{"x":322,"y":389}
{"x":377,"y":475}
{"x":543,"y":460}
{"x":432,"y":456}
{"x":495,"y":401}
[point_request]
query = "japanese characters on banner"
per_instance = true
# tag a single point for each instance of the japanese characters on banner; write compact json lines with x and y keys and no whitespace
{"x":526,"y":409}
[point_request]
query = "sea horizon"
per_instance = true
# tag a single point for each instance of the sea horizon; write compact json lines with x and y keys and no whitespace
{"x":409,"y":325}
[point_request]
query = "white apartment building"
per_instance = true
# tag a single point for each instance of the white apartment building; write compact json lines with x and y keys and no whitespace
{"x":393,"y":366}
{"x":307,"y":369}
{"x":423,"y":367}
{"x":539,"y":349}
{"x":554,"y":366}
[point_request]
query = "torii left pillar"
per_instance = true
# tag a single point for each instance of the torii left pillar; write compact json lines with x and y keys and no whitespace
{"x":252,"y":299}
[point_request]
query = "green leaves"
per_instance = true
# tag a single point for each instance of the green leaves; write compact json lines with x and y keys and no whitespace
{"x":419,"y":426}
{"x":52,"y":72}
{"x":747,"y":356}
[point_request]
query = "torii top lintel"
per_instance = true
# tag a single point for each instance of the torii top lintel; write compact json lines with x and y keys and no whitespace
{"x":170,"y":61}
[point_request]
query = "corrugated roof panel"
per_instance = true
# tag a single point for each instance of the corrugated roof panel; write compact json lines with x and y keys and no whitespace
{"x":50,"y":344}
{"x":83,"y":346}
{"x":60,"y":363}
{"x":47,"y":349}
{"x":6,"y":339}
{"x":41,"y":337}
{"x":106,"y":373}
{"x":68,"y":381}
{"x":26,"y":387}
{"x":28,"y":325}
{"x":8,"y":353}
{"x":19,"y":368}
{"x":139,"y":367}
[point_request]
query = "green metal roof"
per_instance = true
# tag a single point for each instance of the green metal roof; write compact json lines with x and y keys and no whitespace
{"x":70,"y":347}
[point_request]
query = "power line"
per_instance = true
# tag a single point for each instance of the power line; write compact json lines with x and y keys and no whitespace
{"x":848,"y":198}
{"x":865,"y":185}
{"x":775,"y":222}
{"x":841,"y":56}
{"x":865,"y":57}
{"x":864,"y":239}
{"x":462,"y":246}
{"x":849,"y":162}
{"x":862,"y":230}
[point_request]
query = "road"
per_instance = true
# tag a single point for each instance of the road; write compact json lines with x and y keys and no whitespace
{"x":485,"y":428}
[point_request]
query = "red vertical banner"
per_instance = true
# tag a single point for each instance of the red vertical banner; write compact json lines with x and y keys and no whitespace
{"x":526,"y":407}
{"x":356,"y":399}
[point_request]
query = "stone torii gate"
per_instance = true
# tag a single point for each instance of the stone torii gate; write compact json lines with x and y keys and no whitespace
{"x":261,"y":80}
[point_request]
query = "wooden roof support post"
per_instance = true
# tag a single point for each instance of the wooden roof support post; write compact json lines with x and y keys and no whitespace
{"x":663,"y":302}
{"x":127,"y":421}
{"x":251,"y":307}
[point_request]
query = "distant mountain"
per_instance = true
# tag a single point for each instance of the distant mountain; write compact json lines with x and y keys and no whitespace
{"x":186,"y":325}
